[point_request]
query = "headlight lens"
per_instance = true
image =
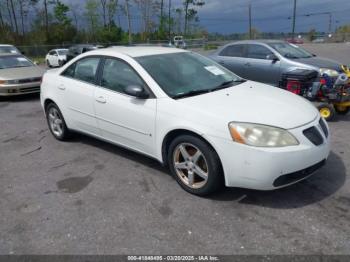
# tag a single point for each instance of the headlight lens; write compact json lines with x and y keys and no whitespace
{"x":329,"y":72}
{"x":261,"y":135}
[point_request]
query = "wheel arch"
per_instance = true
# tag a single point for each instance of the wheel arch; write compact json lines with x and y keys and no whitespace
{"x":171,"y":135}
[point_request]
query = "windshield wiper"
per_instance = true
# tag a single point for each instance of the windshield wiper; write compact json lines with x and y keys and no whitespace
{"x":227,"y":84}
{"x":191,"y":93}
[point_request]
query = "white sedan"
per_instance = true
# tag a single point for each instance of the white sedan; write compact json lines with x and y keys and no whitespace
{"x":209,"y":126}
{"x":56,"y":57}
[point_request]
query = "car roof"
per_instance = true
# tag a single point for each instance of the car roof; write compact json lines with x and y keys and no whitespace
{"x":6,"y":45}
{"x":137,"y":51}
{"x":264,"y":41}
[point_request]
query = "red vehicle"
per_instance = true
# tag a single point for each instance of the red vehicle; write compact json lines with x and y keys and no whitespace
{"x":297,"y":41}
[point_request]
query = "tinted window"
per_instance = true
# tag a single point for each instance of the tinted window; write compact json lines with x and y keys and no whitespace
{"x":233,"y":50}
{"x":84,"y":69}
{"x":52,"y":53}
{"x":117,"y":75}
{"x":258,"y":52}
{"x":14,"y":62}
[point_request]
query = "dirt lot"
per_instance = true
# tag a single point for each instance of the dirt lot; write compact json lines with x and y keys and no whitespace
{"x":89,"y":197}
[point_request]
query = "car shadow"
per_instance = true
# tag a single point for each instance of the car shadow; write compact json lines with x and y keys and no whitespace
{"x":120,"y":151}
{"x":341,"y":118}
{"x":20,"y":98}
{"x":319,"y":186}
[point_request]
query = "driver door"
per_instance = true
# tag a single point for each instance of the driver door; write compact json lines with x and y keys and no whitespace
{"x":123,"y":119}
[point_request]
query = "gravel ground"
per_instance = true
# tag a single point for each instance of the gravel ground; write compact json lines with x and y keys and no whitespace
{"x":90,"y":197}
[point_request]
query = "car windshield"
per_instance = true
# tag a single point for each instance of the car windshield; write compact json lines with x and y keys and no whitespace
{"x":8,"y":49}
{"x":187,"y":74}
{"x":14,"y":62}
{"x":290,"y":50}
{"x":62,"y":52}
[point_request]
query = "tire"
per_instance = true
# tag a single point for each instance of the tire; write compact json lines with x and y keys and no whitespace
{"x":342,"y":110}
{"x":48,"y":64}
{"x":327,"y":111}
{"x":60,"y":63}
{"x":198,"y":170}
{"x":56,"y":122}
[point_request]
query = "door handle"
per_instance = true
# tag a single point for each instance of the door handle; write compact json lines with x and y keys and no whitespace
{"x":101,"y":100}
{"x":61,"y":87}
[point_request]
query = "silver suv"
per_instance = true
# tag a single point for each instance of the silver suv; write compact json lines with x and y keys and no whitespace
{"x":266,"y":60}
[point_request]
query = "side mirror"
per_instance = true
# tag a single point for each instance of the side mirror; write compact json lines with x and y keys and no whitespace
{"x":136,"y":91}
{"x":272,"y":57}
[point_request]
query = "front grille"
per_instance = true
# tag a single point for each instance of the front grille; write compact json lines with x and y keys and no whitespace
{"x":313,"y":135}
{"x":30,"y":89}
{"x":29,"y":80}
{"x":323,"y":127}
{"x":293,"y":177}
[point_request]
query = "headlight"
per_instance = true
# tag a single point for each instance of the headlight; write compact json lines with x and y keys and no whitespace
{"x":329,"y":72}
{"x":261,"y":135}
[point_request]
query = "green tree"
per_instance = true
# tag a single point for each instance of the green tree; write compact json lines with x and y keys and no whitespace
{"x":190,"y":11}
{"x":91,"y":13}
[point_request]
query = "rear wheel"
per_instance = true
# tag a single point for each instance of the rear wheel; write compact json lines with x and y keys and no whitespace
{"x":342,"y":110}
{"x":56,"y":122}
{"x":327,"y":111}
{"x":195,"y":165}
{"x":48,"y":63}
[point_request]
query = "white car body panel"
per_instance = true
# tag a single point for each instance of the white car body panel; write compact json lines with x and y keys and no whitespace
{"x":142,"y":124}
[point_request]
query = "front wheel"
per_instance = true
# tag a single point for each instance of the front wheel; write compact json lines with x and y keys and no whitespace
{"x":195,"y":165}
{"x":327,"y":111}
{"x":56,"y":122}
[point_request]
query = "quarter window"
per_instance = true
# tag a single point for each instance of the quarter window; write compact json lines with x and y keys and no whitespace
{"x":84,"y":69}
{"x":233,"y":50}
{"x":258,"y":52}
{"x":117,"y":75}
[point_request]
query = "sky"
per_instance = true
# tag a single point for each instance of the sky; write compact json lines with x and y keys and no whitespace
{"x":231,"y":16}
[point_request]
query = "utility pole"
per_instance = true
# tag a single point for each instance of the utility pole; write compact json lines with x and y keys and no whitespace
{"x":250,"y":20}
{"x":330,"y":23}
{"x":169,"y":22}
{"x":294,"y":16}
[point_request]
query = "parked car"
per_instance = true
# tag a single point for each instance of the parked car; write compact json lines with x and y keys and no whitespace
{"x":319,"y":40}
{"x":56,"y":57}
{"x":266,"y":60}
{"x":76,"y":50}
{"x":18,"y":75}
{"x":298,"y":41}
{"x":189,"y":113}
{"x":179,"y":42}
{"x":9,"y":49}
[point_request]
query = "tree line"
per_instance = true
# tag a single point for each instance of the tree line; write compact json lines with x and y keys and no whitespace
{"x":27,"y":22}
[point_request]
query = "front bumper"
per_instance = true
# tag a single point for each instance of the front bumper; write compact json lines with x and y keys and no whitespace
{"x":20,"y":89}
{"x":271,"y":168}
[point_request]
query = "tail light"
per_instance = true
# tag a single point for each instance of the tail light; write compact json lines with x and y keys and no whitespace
{"x":294,"y":86}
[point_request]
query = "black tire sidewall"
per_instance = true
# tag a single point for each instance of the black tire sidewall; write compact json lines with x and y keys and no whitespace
{"x":215,"y":179}
{"x":65,"y":133}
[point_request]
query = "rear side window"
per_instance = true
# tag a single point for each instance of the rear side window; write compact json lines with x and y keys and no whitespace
{"x":233,"y":50}
{"x":84,"y":69}
{"x":117,"y":75}
{"x":258,"y":52}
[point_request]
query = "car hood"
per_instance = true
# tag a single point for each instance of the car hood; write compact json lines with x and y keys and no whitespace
{"x":320,"y":62}
{"x":21,"y":73}
{"x":254,"y":102}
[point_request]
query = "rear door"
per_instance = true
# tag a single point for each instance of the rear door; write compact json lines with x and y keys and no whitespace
{"x":233,"y":58}
{"x":259,"y":67}
{"x":78,"y":85}
{"x":124,"y":119}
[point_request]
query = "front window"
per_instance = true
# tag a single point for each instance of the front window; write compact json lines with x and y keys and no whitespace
{"x":8,"y":49}
{"x":117,"y":75}
{"x":62,"y":52}
{"x":290,"y":50}
{"x":187,"y":74}
{"x":14,"y":62}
